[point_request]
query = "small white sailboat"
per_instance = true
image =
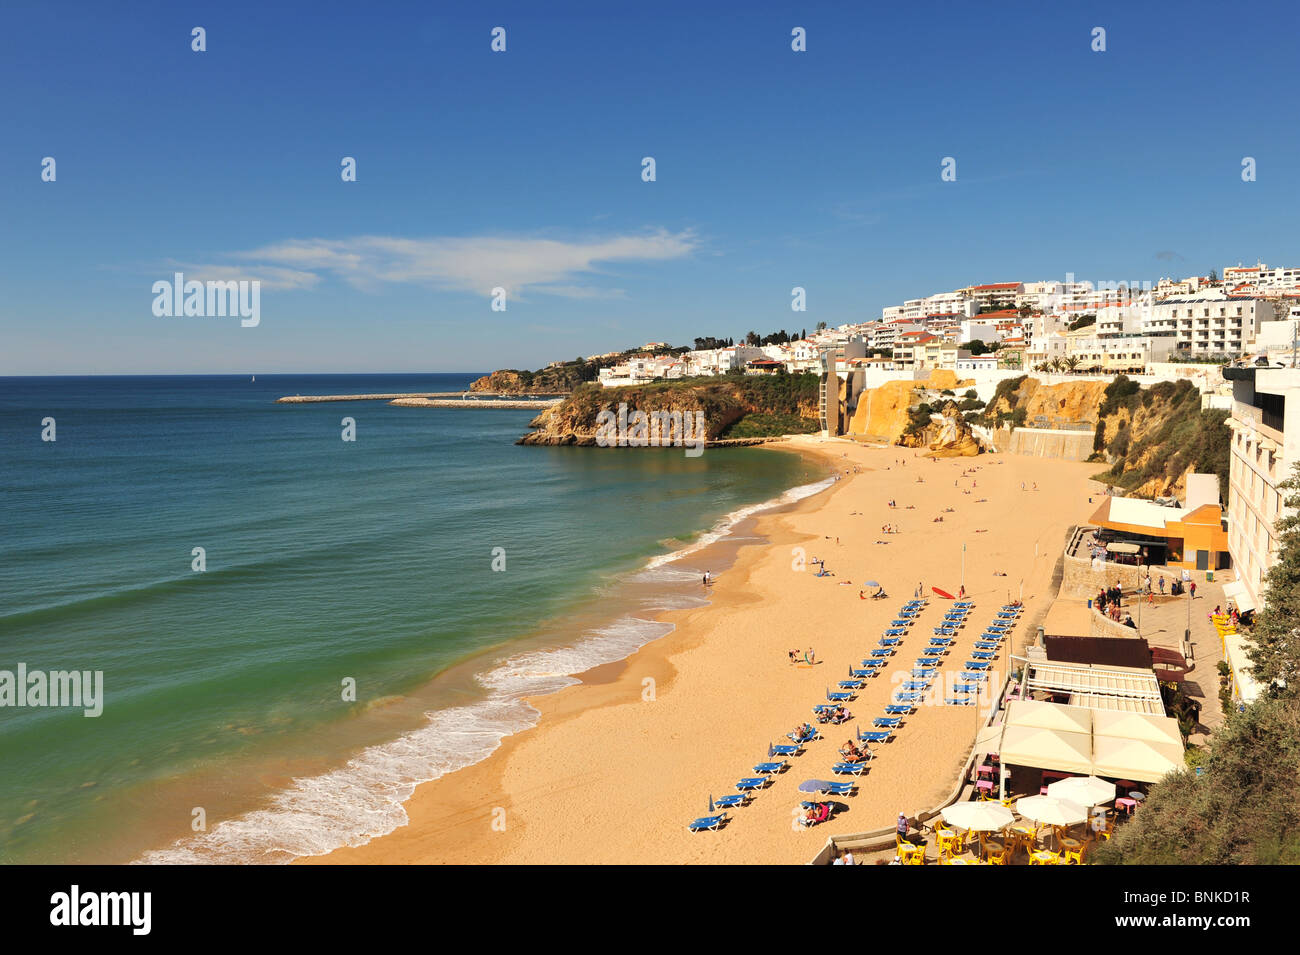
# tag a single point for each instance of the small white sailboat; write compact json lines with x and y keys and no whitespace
{"x":254,"y":379}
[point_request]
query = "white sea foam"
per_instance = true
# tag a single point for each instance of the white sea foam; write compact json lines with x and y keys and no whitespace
{"x":364,"y":799}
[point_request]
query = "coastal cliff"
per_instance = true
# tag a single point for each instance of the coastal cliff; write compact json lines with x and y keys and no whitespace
{"x":733,"y":407}
{"x":947,"y":435}
{"x":1152,"y":437}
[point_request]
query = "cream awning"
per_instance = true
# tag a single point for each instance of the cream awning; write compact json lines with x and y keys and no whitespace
{"x":1239,"y":595}
{"x":1046,"y":749}
{"x":1142,"y":747}
{"x":1135,"y":759}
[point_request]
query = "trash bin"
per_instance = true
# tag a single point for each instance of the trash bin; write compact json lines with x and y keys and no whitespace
{"x":1089,"y":603}
{"x":1209,"y":576}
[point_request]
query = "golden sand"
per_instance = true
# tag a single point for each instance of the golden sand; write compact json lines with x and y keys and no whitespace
{"x":613,"y":772}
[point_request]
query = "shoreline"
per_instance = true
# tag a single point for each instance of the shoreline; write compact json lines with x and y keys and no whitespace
{"x":603,"y":764}
{"x":482,"y":704}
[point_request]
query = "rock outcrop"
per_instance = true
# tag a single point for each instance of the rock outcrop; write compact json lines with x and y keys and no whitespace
{"x":948,"y":435}
{"x":698,"y":410}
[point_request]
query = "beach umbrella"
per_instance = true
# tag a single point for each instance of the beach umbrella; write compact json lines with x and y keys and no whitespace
{"x":1085,"y":790}
{"x":979,"y":816}
{"x":771,"y":750}
{"x":711,"y":809}
{"x":1048,"y":811}
{"x":813,"y":785}
{"x":871,"y":583}
{"x":1051,"y":811}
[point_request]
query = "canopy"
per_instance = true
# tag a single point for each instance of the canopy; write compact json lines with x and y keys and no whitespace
{"x":1136,"y":726}
{"x":1052,"y":716}
{"x":978,"y":816}
{"x":1123,"y":548}
{"x":1135,"y":759}
{"x":1085,"y":790}
{"x":1113,"y":743}
{"x":1046,"y":749}
{"x":1051,"y":812}
{"x":1239,"y":595}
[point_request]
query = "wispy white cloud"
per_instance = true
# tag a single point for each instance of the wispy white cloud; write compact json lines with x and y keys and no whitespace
{"x":271,"y":277}
{"x":472,"y":264}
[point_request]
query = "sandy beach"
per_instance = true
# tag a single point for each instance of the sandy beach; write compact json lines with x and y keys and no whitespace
{"x":619,"y":764}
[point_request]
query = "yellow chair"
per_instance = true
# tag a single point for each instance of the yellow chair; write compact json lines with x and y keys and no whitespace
{"x":949,"y":841}
{"x":1044,"y":857}
{"x":910,"y":854}
{"x":1074,"y":856}
{"x":997,"y":858}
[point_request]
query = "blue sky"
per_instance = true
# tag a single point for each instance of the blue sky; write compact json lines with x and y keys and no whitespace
{"x":523,"y":169}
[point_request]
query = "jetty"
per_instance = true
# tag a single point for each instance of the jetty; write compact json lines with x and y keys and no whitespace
{"x":435,"y":399}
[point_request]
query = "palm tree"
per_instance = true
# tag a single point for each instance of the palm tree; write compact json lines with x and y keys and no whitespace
{"x":1072,"y":362}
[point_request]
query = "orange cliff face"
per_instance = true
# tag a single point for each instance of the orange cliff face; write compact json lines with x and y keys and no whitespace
{"x":882,"y":412}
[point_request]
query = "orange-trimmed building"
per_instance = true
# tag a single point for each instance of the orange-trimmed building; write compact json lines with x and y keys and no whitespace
{"x":1193,"y":538}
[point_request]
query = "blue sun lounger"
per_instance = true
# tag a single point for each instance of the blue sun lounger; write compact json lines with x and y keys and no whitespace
{"x":752,"y":782}
{"x":941,"y":641}
{"x":707,"y":822}
{"x":924,"y":671}
{"x":887,"y":722}
{"x":945,"y":632}
{"x":999,"y":628}
{"x":849,"y":769}
{"x":900,"y":709}
{"x":781,"y":749}
{"x":808,"y":728}
{"x":730,"y":802}
{"x":965,"y":687}
{"x":927,"y":661}
{"x":973,"y":675}
{"x":959,"y":701}
{"x":888,"y":641}
{"x":863,"y":672}
{"x":880,"y":736}
{"x":768,"y":768}
{"x":821,"y":708}
{"x":977,"y":664}
{"x":983,"y":655}
{"x":909,"y":697}
{"x":986,"y":644}
{"x":963,"y":603}
{"x":913,"y":686}
{"x":851,"y":684}
{"x":839,"y":697}
{"x":896,"y":632}
{"x":837,"y":789}
{"x":899,"y":624}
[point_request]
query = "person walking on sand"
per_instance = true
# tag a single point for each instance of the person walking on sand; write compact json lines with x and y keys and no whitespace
{"x":1192,"y":588}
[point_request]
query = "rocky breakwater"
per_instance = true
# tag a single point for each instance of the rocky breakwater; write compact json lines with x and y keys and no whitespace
{"x":947,"y":435}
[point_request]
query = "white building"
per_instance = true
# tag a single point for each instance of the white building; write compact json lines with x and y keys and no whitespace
{"x":1265,"y":444}
{"x":1210,"y":322}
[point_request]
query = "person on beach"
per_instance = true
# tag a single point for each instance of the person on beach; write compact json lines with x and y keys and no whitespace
{"x":794,"y":656}
{"x":1192,"y":587}
{"x":903,"y":828}
{"x":961,"y":591}
{"x":920,"y":589}
{"x":1162,"y":586}
{"x":810,"y":657}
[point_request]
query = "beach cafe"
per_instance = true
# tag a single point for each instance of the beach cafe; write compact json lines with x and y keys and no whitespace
{"x":1124,"y":744}
{"x":1192,"y":538}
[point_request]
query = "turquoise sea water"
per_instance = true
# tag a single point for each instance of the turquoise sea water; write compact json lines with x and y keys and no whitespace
{"x":326,"y":561}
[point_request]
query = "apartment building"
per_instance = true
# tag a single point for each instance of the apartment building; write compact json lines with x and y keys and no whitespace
{"x":1265,"y":425}
{"x":1259,"y":278}
{"x":1210,"y":322}
{"x":994,"y":296}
